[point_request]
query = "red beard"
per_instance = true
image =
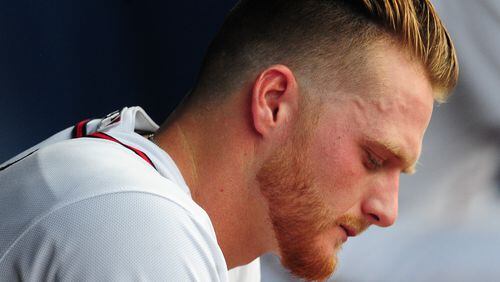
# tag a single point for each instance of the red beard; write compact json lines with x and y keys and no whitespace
{"x":299,"y":214}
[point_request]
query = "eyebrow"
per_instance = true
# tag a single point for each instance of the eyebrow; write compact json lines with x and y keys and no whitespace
{"x":409,"y":165}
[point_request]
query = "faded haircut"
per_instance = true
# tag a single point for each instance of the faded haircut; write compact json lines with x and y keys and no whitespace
{"x":322,"y":40}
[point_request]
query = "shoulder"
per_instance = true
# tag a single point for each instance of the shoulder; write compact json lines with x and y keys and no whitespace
{"x":92,"y":210}
{"x":116,"y":236}
{"x":74,"y":170}
{"x":80,"y":168}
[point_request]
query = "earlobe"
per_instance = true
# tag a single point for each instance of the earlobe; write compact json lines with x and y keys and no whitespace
{"x":274,"y":99}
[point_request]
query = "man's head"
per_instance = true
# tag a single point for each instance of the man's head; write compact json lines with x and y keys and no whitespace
{"x":337,"y":172}
{"x":323,"y":42}
{"x":338,"y":95}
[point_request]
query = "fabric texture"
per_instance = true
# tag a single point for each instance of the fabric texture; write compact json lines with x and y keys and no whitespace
{"x":91,"y":209}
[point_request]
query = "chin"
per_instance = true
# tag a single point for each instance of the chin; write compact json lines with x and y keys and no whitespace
{"x":315,"y":261}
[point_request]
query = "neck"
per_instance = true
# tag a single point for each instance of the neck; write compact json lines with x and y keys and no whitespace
{"x":221,"y":177}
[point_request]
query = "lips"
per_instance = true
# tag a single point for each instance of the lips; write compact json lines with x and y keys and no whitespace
{"x":351,"y":232}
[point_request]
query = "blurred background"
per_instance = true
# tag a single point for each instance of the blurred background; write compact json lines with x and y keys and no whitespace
{"x":63,"y":61}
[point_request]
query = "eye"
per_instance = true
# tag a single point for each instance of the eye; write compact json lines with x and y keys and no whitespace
{"x":373,"y":162}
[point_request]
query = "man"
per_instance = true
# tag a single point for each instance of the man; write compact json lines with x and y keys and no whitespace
{"x":293,"y":139}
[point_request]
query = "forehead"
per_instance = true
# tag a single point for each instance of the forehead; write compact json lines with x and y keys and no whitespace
{"x":397,"y":103}
{"x":393,"y":105}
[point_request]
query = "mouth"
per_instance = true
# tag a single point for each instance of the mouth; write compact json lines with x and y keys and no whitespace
{"x":349,"y":231}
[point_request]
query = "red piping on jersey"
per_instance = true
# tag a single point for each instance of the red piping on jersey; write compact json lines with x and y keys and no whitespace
{"x":107,"y":137}
{"x":80,"y":130}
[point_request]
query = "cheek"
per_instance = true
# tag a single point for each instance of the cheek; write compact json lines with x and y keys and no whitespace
{"x":338,"y":173}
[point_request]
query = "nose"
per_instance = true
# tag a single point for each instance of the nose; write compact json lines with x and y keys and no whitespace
{"x":381,"y":205}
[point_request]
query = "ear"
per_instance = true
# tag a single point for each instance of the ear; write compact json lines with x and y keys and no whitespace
{"x":275,"y":98}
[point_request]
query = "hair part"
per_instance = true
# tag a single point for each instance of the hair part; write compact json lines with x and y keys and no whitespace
{"x":323,"y":41}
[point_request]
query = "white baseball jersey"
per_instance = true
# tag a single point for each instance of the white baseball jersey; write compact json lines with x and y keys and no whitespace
{"x":108,"y":206}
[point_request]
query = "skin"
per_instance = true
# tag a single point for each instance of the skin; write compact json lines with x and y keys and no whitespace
{"x":274,"y":179}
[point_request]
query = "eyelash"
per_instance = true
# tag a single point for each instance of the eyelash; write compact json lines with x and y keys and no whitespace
{"x":373,"y":163}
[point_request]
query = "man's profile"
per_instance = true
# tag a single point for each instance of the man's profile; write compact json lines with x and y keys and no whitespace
{"x":303,"y":116}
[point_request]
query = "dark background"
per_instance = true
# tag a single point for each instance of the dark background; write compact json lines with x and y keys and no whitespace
{"x":63,"y":61}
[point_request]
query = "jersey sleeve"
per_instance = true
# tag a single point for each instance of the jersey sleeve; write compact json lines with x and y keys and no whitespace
{"x":126,"y":236}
